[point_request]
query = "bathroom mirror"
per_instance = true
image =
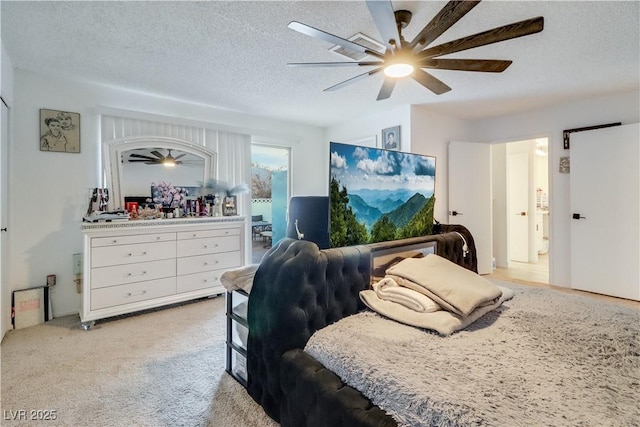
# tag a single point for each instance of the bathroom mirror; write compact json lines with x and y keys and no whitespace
{"x":134,"y":165}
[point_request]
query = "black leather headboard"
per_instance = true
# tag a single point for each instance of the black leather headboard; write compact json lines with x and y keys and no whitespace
{"x":299,"y":289}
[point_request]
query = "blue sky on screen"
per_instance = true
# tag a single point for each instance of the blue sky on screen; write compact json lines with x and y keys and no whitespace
{"x":360,"y":168}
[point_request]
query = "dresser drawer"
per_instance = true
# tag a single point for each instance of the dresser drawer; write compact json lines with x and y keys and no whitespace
{"x":197,"y":234}
{"x":197,"y":281}
{"x":129,"y":254}
{"x":209,"y":245}
{"x":128,"y":273}
{"x":97,"y":242}
{"x":196,"y":264}
{"x":133,"y":292}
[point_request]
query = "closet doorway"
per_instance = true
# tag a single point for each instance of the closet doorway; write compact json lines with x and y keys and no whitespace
{"x":521,"y":210}
{"x":270,"y":187}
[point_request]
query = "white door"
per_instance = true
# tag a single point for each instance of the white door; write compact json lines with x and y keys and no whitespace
{"x":470,"y":196}
{"x":5,"y":292}
{"x":605,"y":209}
{"x":518,"y":206}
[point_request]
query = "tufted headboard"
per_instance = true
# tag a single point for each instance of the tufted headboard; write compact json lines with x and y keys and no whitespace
{"x":299,"y":289}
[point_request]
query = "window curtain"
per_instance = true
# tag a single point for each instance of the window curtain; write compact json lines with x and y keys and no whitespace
{"x":234,"y":161}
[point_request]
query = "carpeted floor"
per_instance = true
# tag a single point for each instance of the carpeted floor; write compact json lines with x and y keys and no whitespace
{"x":160,"y":368}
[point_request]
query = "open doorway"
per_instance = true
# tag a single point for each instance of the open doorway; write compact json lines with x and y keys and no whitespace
{"x":269,"y":196}
{"x":521,"y":210}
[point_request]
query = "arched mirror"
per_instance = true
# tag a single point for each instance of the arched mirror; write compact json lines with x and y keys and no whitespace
{"x":135,"y":165}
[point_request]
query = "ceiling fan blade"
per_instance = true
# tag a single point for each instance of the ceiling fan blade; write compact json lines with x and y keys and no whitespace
{"x":385,"y":20}
{"x":157,"y":154}
{"x":314,"y":32}
{"x":141,"y":161}
{"x":179,"y":157}
{"x":386,"y":89}
{"x":140,"y":156}
{"x":483,"y":65}
{"x":506,"y":32}
{"x":451,"y":13}
{"x":334,"y":64}
{"x":430,"y":82}
{"x":352,"y":79}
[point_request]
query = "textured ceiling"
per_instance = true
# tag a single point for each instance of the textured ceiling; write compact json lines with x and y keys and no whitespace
{"x":233,"y":55}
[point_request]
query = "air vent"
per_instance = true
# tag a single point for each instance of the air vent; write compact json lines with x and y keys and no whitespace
{"x":362,"y":40}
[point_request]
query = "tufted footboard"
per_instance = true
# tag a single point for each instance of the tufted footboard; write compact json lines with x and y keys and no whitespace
{"x":297,"y":290}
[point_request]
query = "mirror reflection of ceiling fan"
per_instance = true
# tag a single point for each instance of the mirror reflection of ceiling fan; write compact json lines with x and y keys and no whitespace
{"x":157,"y":159}
{"x":404,"y":58}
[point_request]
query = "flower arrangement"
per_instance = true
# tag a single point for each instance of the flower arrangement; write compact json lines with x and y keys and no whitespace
{"x":167,"y":195}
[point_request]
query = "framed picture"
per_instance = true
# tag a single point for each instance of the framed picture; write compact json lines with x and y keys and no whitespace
{"x":59,"y":131}
{"x":391,"y":138}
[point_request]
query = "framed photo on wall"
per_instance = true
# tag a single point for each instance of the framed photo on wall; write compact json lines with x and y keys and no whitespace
{"x":391,"y":138}
{"x":59,"y":131}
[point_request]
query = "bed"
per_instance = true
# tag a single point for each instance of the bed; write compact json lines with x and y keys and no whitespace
{"x":305,"y":300}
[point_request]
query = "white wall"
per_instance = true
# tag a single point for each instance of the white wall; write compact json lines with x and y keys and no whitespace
{"x":623,"y":107}
{"x":48,"y":194}
{"x":430,"y":134}
{"x":371,"y":125}
{"x":6,"y":77}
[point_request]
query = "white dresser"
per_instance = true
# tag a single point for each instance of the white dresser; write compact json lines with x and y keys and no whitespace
{"x":136,"y":265}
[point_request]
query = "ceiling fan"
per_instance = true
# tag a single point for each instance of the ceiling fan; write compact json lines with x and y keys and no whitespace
{"x":159,"y":158}
{"x":404,"y":58}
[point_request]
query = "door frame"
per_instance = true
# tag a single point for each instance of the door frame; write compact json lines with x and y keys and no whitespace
{"x":5,"y":290}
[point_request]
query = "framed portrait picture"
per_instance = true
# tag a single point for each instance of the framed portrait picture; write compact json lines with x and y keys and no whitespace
{"x":59,"y":131}
{"x":391,"y":138}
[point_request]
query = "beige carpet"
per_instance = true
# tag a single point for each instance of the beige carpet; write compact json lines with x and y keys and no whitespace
{"x":160,"y":368}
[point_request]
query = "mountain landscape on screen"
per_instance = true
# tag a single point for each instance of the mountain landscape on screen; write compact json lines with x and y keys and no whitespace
{"x":378,"y":195}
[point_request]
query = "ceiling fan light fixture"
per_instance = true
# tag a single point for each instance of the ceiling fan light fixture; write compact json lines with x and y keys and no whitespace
{"x":169,"y":162}
{"x":398,"y":70}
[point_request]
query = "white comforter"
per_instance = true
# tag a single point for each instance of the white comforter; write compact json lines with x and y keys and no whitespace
{"x":544,"y":358}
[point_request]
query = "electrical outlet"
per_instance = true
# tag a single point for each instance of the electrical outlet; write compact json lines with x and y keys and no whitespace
{"x":77,"y":263}
{"x":51,"y":280}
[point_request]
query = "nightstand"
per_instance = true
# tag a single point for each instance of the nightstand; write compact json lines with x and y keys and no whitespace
{"x":237,"y":334}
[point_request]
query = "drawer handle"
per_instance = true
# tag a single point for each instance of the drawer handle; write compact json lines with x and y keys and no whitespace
{"x":137,"y":274}
{"x":194,"y":235}
{"x":129,"y":294}
{"x":138,"y":254}
{"x":114,"y":241}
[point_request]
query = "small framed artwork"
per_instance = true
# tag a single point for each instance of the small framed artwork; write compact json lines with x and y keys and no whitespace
{"x":59,"y":131}
{"x":391,"y":138}
{"x":229,"y":206}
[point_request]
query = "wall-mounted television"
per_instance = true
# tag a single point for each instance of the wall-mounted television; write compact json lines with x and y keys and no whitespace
{"x":378,"y":195}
